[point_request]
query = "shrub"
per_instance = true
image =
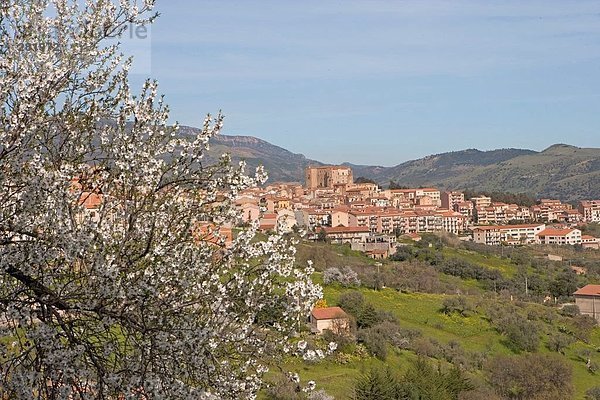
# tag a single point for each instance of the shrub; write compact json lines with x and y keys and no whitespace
{"x":365,"y":313}
{"x":422,"y":381}
{"x":352,"y":302}
{"x":583,"y":326}
{"x":427,"y":347}
{"x":457,"y":304}
{"x":532,"y":376}
{"x":319,"y":395}
{"x":374,"y":342}
{"x":523,"y":334}
{"x":593,"y":393}
{"x":403,"y":253}
{"x":414,"y":276}
{"x":559,"y":341}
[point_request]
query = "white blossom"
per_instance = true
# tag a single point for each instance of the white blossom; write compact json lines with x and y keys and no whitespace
{"x":108,"y":288}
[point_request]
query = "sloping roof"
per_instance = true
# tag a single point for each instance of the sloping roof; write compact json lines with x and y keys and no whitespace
{"x":329,"y":313}
{"x":589,"y":290}
{"x":555,"y":232}
{"x":90,"y":200}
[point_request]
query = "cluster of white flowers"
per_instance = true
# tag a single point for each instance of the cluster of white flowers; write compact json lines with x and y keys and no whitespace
{"x":310,"y":354}
{"x":104,"y":290}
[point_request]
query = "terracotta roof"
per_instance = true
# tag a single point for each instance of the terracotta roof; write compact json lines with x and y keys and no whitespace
{"x":588,"y":237}
{"x":555,"y":232}
{"x":329,"y":313}
{"x":90,"y":200}
{"x":589,"y":290}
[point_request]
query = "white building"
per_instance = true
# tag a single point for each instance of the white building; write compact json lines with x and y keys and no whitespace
{"x":559,"y":236}
{"x":507,"y":234}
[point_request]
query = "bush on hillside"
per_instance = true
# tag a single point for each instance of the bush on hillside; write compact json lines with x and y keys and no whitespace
{"x":457,"y":304}
{"x":530,"y":377}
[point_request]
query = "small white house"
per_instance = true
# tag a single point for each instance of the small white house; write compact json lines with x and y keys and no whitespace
{"x":329,"y":318}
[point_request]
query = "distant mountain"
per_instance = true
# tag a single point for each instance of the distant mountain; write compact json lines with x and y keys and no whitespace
{"x":438,"y":168}
{"x":281,"y":164}
{"x":561,"y":171}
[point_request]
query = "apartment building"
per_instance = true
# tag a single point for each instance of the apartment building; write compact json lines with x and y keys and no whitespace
{"x":590,"y":210}
{"x":433,"y":194}
{"x":559,"y":236}
{"x":340,"y":217}
{"x":481,"y":201}
{"x":453,"y":222}
{"x":450,"y":200}
{"x":501,"y":213}
{"x":466,"y":208}
{"x":507,"y":234}
{"x":549,"y":210}
{"x":413,"y":195}
{"x":347,"y":234}
{"x":367,"y":217}
{"x":362,"y":189}
{"x":570,"y":217}
{"x":590,"y":242}
{"x":313,"y":218}
{"x":389,"y":221}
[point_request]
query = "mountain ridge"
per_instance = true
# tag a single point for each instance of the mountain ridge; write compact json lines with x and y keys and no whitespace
{"x":560,"y":171}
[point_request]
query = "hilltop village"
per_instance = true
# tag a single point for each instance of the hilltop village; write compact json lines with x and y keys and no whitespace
{"x":332,"y":206}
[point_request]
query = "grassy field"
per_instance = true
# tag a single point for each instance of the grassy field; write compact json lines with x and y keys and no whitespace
{"x":506,"y":267}
{"x":422,"y":311}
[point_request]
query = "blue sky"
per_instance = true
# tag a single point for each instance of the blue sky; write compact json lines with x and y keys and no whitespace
{"x":381,"y":82}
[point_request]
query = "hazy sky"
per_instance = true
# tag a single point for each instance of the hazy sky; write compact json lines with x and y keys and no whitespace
{"x":381,"y":82}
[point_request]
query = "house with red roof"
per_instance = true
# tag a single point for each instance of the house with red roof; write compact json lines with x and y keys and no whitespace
{"x":559,"y":236}
{"x":329,"y":318}
{"x":590,"y":242}
{"x":588,"y":300}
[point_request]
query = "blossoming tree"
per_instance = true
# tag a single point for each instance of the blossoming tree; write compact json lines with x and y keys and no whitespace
{"x":107,"y":288}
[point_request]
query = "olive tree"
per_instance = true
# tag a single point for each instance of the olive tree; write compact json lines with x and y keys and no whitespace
{"x":115,"y":281}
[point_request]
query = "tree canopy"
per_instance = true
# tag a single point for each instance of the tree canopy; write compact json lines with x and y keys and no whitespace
{"x":115,"y":277}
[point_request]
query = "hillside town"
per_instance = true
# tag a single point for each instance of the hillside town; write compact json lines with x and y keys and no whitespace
{"x":331,"y":206}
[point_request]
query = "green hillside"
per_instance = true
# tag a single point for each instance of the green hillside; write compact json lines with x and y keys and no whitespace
{"x":418,"y":292}
{"x":561,"y":171}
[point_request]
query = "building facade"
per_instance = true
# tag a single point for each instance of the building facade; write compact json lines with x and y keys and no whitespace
{"x":328,"y":177}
